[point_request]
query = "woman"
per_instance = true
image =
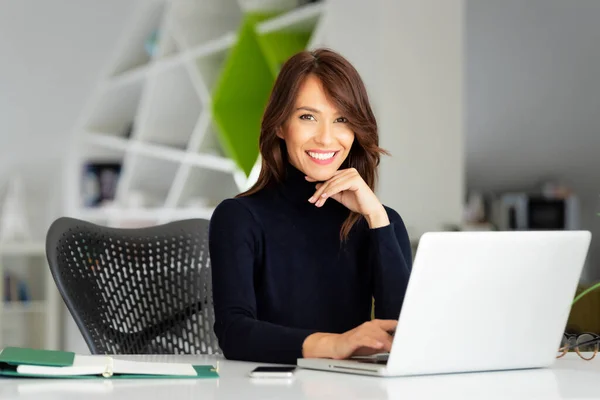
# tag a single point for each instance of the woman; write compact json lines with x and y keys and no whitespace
{"x":298,"y":258}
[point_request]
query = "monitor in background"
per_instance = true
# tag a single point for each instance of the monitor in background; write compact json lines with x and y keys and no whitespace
{"x":525,"y":211}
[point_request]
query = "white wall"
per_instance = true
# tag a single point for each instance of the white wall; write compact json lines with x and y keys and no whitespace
{"x":53,"y":53}
{"x":533,"y":99}
{"x":410,"y":54}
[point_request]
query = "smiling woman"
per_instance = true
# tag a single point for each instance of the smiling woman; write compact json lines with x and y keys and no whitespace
{"x":298,"y":258}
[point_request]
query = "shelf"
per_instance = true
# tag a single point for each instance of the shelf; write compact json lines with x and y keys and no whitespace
{"x":174,"y":108}
{"x":134,"y":51}
{"x":151,"y":179}
{"x":210,"y":59}
{"x":206,"y":188}
{"x":167,"y":45}
{"x":269,"y":6}
{"x":301,"y":19}
{"x":212,"y":50}
{"x":217,"y":45}
{"x":205,"y":150}
{"x":213,"y":161}
{"x":93,"y":153}
{"x":130,"y":77}
{"x":208,"y":161}
{"x":116,"y":109}
{"x":24,"y":307}
{"x":210,"y":143}
{"x":196,"y":23}
{"x":22,"y":249}
{"x":159,"y":152}
{"x":108,"y":141}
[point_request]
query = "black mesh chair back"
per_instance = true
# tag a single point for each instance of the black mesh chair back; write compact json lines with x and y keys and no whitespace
{"x":136,"y":291}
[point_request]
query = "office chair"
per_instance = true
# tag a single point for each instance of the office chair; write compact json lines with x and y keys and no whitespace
{"x":136,"y":291}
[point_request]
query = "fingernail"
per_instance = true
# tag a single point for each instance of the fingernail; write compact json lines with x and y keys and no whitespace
{"x":324,"y":195}
{"x":311,"y":199}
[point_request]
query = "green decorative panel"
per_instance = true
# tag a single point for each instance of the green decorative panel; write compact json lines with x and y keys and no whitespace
{"x":240,"y":97}
{"x":278,"y":47}
{"x":245,"y":84}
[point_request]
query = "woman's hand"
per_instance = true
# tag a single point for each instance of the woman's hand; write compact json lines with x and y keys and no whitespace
{"x":347,"y":187}
{"x":369,"y":338}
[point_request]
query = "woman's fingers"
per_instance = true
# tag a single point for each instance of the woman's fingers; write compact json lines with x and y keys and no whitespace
{"x":369,"y":338}
{"x":321,"y":188}
{"x":365,"y":344}
{"x":339,"y":186}
{"x":371,"y":342}
{"x":381,"y":336}
{"x":388,"y":325}
{"x":385,"y":338}
{"x":334,"y":187}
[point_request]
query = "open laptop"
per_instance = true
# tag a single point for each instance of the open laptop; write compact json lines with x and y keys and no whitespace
{"x":480,"y":301}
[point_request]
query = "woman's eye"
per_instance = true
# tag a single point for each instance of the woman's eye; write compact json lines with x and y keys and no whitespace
{"x":342,"y":119}
{"x":307,"y":117}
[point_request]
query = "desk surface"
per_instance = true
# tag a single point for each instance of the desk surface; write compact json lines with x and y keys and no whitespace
{"x":569,"y":378}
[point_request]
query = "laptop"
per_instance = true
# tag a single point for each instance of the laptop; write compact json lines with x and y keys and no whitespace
{"x":480,"y":301}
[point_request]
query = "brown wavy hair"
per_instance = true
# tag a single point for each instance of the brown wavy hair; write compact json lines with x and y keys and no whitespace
{"x":345,"y":88}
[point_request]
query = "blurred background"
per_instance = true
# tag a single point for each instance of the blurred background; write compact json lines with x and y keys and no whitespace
{"x":132,"y":113}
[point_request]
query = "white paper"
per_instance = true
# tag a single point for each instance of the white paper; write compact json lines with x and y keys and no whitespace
{"x":59,"y":371}
{"x":96,"y":365}
{"x":152,"y":368}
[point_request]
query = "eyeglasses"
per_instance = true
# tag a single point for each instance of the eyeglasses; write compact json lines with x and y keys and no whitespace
{"x":584,"y":344}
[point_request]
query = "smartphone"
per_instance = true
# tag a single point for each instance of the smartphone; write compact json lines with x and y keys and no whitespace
{"x":273,"y":372}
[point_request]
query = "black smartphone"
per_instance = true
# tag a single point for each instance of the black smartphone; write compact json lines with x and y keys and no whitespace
{"x":273,"y":372}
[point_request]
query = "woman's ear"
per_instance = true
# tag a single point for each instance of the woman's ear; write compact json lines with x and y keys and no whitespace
{"x":279,"y":132}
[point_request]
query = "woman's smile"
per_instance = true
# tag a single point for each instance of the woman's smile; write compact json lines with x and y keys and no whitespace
{"x":322,"y":157}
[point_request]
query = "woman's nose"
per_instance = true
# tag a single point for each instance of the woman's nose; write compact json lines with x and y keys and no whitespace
{"x":324,"y":136}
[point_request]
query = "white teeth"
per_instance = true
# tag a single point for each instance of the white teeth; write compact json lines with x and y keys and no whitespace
{"x":321,"y":156}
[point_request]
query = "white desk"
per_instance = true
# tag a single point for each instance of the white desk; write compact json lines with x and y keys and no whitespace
{"x":569,"y":378}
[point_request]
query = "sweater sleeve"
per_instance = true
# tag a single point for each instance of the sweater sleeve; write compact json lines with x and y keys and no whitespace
{"x":235,"y":246}
{"x":391,"y":260}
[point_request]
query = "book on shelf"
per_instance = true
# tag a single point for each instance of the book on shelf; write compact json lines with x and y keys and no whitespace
{"x":15,"y":290}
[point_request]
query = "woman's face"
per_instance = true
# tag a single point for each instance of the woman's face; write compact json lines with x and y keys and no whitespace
{"x":317,"y":136}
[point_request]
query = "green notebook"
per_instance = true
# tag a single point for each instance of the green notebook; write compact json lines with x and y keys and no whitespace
{"x":32,"y":363}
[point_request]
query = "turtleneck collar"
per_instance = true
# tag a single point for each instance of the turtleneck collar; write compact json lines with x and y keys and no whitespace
{"x":295,"y":187}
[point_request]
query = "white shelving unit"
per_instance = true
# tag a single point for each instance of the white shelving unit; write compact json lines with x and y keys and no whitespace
{"x":151,"y":113}
{"x":35,"y":321}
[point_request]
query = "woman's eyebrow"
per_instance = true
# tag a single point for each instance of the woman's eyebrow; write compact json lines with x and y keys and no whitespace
{"x":314,"y":110}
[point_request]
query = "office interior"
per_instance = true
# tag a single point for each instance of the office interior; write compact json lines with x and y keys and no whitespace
{"x":489,"y":109}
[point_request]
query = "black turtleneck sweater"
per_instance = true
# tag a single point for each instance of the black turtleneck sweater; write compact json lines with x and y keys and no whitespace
{"x":281,"y":273}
